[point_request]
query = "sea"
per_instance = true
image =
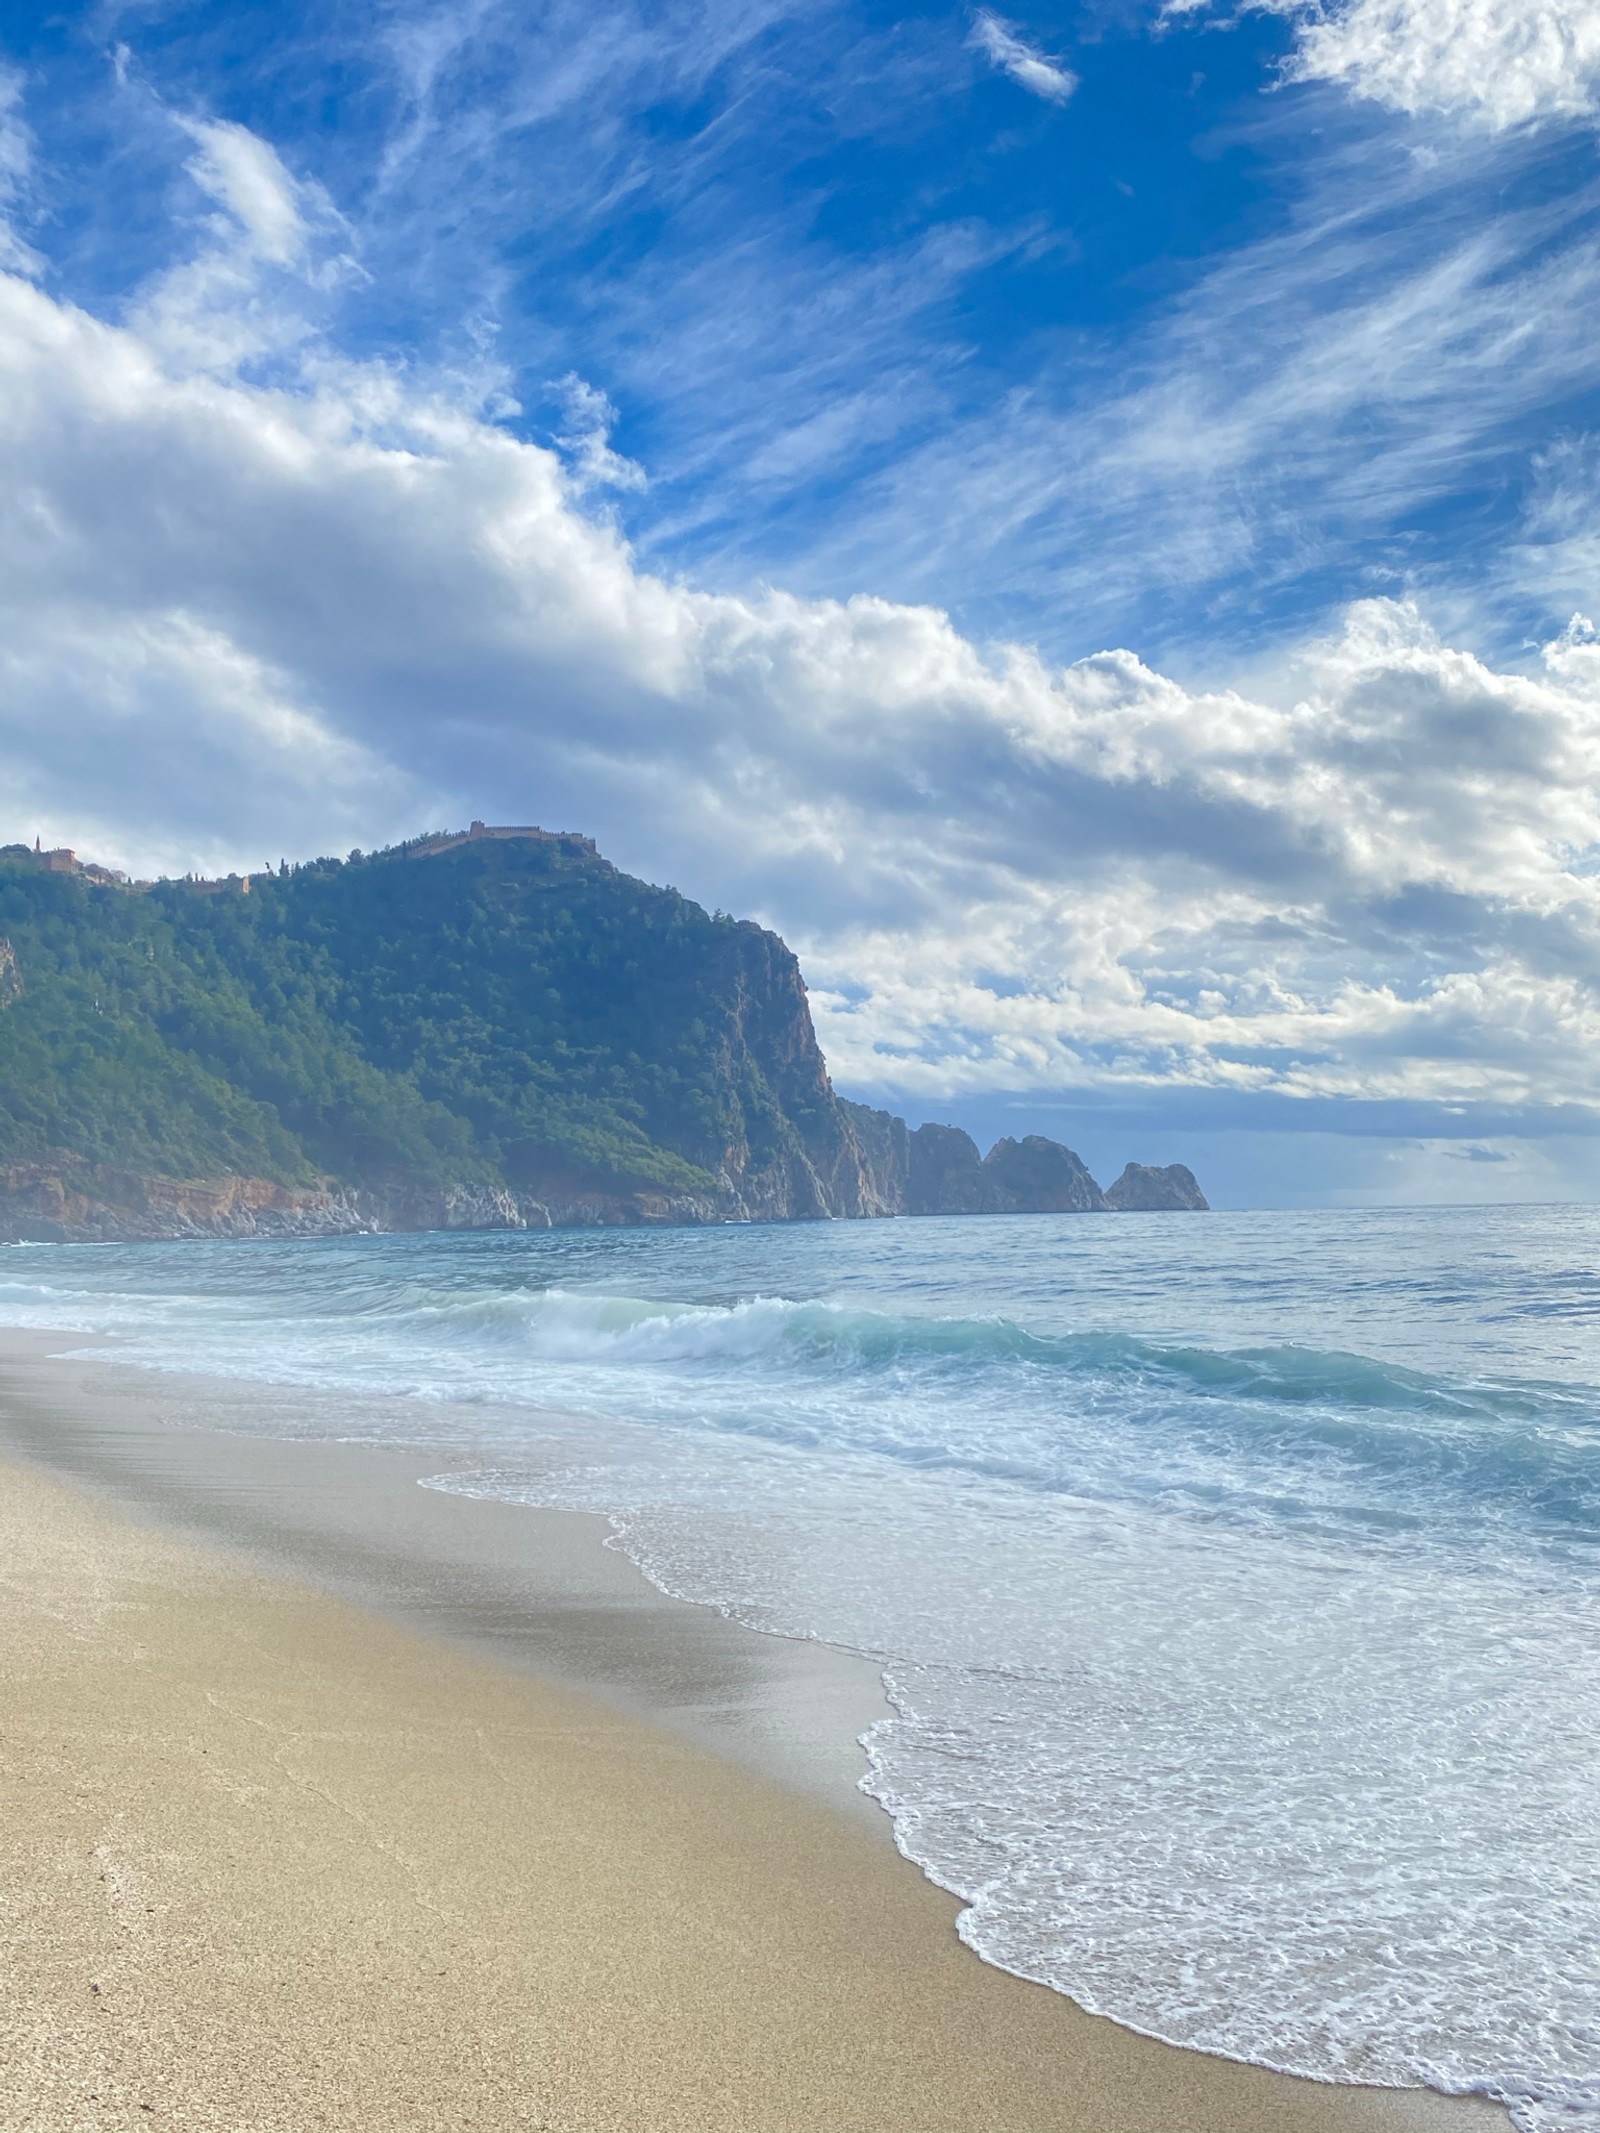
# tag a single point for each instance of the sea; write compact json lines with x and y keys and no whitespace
{"x":1234,"y":1578}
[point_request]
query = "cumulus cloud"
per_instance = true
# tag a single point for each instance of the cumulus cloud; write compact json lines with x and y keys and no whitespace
{"x":1499,"y":63}
{"x":139,"y":700}
{"x":244,"y":613}
{"x":1376,"y":888}
{"x":1495,"y":64}
{"x":1028,"y":67}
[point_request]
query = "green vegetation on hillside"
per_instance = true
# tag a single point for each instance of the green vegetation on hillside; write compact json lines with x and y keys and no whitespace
{"x":512,"y":1012}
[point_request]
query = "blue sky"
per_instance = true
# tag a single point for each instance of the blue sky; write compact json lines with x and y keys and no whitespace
{"x":1074,"y":516}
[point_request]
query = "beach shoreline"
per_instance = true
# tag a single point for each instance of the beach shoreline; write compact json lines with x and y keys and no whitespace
{"x":289,"y":1729}
{"x":531,"y":1588}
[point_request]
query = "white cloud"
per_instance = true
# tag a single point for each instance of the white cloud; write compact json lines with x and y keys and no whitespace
{"x":1496,"y":63}
{"x":1027,"y":66}
{"x":238,"y":170}
{"x":151,"y":730}
{"x":275,"y":243}
{"x":243,"y":616}
{"x":588,"y":418}
{"x":1378,"y":889}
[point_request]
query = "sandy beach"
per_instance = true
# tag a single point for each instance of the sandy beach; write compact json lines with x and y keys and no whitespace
{"x":518,"y":1843}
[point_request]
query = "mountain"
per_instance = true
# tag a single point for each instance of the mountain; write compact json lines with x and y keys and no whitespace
{"x":493,"y":1028}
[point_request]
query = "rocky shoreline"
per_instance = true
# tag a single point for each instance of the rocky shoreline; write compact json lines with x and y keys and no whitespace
{"x":941,"y":1173}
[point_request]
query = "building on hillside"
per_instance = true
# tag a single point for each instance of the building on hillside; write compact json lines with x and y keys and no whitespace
{"x":477,"y":832}
{"x":65,"y":861}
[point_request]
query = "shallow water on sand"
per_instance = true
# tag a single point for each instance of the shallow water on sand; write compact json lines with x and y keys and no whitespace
{"x":1235,"y":1578}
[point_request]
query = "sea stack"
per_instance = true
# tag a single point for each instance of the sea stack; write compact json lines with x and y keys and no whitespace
{"x":1146,"y":1189}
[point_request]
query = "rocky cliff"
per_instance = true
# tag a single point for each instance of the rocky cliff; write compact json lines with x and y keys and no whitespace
{"x":491,"y":1030}
{"x":945,"y":1175}
{"x":800,"y":1156}
{"x":1035,"y":1176}
{"x":1145,"y":1190}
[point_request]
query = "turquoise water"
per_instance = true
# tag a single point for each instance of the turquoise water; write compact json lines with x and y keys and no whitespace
{"x":1235,"y":1578}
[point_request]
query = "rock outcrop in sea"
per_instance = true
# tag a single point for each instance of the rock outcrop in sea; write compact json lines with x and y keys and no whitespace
{"x":1145,"y":1190}
{"x":1039,"y":1176}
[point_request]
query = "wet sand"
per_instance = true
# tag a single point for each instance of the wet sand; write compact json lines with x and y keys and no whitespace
{"x":327,"y":1801}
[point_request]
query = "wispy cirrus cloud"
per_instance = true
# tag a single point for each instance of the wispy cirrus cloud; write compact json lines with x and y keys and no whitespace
{"x":585,"y":436}
{"x":1286,"y":433}
{"x":1027,"y":66}
{"x":16,"y":162}
{"x":275,"y":250}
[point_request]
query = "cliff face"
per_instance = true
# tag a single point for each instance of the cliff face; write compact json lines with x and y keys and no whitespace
{"x":793,"y":1152}
{"x":1035,"y":1176}
{"x":58,"y":1199}
{"x":883,"y":1152}
{"x":489,"y":1031}
{"x":945,"y":1173}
